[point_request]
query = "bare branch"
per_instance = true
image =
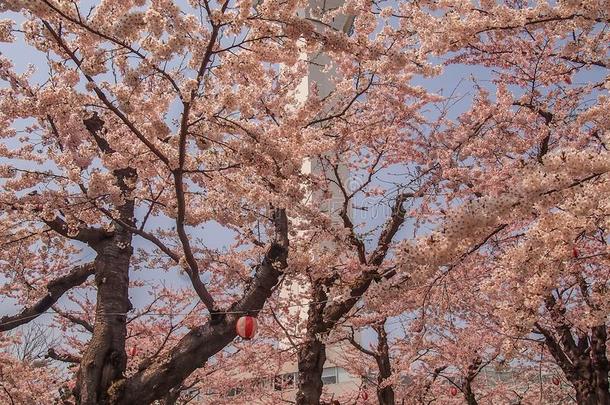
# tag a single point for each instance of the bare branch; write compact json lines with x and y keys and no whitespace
{"x":73,"y":319}
{"x":65,"y":357}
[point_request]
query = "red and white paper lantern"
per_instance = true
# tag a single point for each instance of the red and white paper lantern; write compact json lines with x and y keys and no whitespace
{"x":246,"y":327}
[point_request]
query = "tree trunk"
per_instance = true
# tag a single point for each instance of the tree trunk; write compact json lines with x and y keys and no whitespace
{"x":385,"y":394}
{"x":599,"y":364}
{"x":585,"y":394}
{"x":469,"y":394}
{"x":312,"y":356}
{"x":589,"y":377}
{"x":583,"y":362}
{"x":312,"y":352}
{"x":104,"y":360}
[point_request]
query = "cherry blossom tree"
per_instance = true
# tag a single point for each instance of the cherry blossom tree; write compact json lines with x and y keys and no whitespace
{"x":523,"y":184}
{"x":151,"y":131}
{"x":21,"y":357}
{"x":526,"y":165}
{"x":155,"y":126}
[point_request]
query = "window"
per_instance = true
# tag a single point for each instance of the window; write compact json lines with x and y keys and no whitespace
{"x":235,"y":391}
{"x":289,"y":380}
{"x":264,"y":382}
{"x":343,"y":375}
{"x":329,"y":376}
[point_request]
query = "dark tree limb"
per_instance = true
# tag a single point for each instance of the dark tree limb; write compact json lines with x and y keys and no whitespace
{"x":435,"y":373}
{"x":347,"y":222}
{"x":178,"y":174}
{"x":74,"y":319}
{"x":64,"y":357}
{"x":563,"y":329}
{"x":391,"y":228}
{"x":95,"y":126}
{"x":55,"y":289}
{"x":312,"y":351}
{"x":548,"y":118}
{"x":352,"y":340}
{"x":599,"y":363}
{"x":90,"y":236}
{"x":385,"y":393}
{"x":556,"y":350}
{"x":474,"y":369}
{"x":197,"y":346}
{"x":336,"y":310}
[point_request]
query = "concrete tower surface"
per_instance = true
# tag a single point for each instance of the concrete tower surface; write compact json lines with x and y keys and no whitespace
{"x":335,"y":379}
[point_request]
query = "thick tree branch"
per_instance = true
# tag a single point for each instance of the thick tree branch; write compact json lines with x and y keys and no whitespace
{"x":474,"y":369}
{"x":90,"y":236}
{"x":435,"y":373}
{"x":197,"y":346}
{"x":599,"y":363}
{"x":347,"y":222}
{"x":391,"y":228}
{"x":95,"y":126}
{"x":559,"y":322}
{"x":352,"y":339}
{"x":56,"y":288}
{"x":556,"y":350}
{"x":548,"y":118}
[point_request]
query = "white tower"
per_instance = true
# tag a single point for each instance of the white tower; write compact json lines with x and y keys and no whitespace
{"x":336,"y":379}
{"x":312,"y":165}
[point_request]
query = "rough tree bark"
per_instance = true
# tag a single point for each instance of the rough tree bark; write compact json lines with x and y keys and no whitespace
{"x":473,"y":371}
{"x":312,"y":352}
{"x":104,"y":360}
{"x":385,"y":393}
{"x":312,"y":356}
{"x":583,"y":358}
{"x":599,"y":363}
